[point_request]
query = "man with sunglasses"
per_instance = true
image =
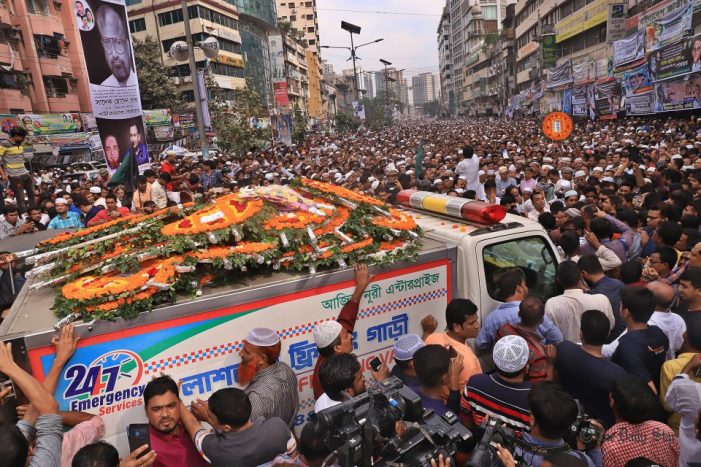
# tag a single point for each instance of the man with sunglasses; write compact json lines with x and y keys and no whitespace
{"x":114,"y":37}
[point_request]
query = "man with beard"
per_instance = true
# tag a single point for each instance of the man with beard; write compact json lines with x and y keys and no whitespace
{"x":271,"y":384}
{"x":167,"y":435}
{"x":111,"y":147}
{"x":115,"y":43}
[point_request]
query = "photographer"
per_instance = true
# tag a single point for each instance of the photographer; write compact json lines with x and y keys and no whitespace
{"x":553,"y":411}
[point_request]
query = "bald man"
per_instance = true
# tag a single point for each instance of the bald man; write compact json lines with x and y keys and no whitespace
{"x":671,"y":324}
{"x":114,"y":37}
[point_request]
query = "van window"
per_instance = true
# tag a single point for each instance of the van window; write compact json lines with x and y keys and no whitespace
{"x":535,"y":258}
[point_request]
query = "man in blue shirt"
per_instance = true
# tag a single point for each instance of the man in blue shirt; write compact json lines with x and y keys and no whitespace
{"x":600,"y":283}
{"x":64,"y":219}
{"x":512,"y":288}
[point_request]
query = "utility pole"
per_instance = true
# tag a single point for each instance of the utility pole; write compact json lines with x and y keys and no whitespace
{"x":195,"y":82}
{"x":385,"y":63}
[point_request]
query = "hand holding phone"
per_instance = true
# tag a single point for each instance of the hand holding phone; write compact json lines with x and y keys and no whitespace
{"x":376,"y":364}
{"x":138,"y":436}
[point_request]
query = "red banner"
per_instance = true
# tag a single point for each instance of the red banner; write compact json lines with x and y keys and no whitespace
{"x":281,"y":93}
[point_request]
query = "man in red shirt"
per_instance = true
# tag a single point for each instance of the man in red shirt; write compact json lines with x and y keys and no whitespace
{"x":167,"y":435}
{"x":168,"y":167}
{"x":112,"y":212}
{"x":333,"y":337}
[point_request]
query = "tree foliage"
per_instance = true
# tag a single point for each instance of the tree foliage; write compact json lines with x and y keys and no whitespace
{"x":232,"y":119}
{"x":157,"y":88}
{"x":432,"y":108}
{"x":346,"y":122}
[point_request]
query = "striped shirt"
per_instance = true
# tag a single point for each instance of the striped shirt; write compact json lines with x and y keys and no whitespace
{"x":72,"y":221}
{"x":12,"y":158}
{"x":273,"y":393}
{"x":501,"y":400}
{"x":8,"y":230}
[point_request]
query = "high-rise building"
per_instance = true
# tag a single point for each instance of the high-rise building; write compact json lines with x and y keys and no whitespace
{"x":42,"y":68}
{"x":425,"y":88}
{"x":162,"y":20}
{"x":445,"y":63}
{"x":302,"y":18}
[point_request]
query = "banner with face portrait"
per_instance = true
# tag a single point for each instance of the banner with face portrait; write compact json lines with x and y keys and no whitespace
{"x":677,"y":59}
{"x":637,"y":80}
{"x":607,"y":98}
{"x":679,"y":94}
{"x":579,"y":101}
{"x":114,"y":87}
{"x":640,"y":104}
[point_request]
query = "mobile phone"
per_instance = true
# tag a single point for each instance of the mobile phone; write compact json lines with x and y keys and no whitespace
{"x":375,"y":364}
{"x":5,"y":384}
{"x":138,"y":436}
{"x":698,"y":372}
{"x":453,"y":352}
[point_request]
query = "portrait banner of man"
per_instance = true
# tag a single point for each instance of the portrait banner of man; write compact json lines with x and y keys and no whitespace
{"x":114,"y":86}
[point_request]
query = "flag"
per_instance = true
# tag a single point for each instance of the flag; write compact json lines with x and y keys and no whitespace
{"x":419,"y":160}
{"x":125,"y":173}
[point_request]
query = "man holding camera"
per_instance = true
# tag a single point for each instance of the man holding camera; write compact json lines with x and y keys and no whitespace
{"x":553,"y":412}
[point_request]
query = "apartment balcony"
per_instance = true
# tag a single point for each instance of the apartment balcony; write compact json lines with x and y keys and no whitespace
{"x":55,"y":65}
{"x":13,"y":99}
{"x":63,"y":103}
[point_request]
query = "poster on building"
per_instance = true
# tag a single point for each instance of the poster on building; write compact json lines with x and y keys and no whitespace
{"x":359,"y":110}
{"x":679,"y":94}
{"x":637,"y":80}
{"x":604,"y":68}
{"x":158,"y":117}
{"x":567,"y":101}
{"x":585,"y":18}
{"x":89,"y":123}
{"x":607,"y":96}
{"x":640,"y":104}
{"x":560,"y":75}
{"x":280,"y":90}
{"x":277,"y":58}
{"x":668,"y":29}
{"x":579,"y":101}
{"x":677,"y":59}
{"x":584,"y":72}
{"x":549,"y":51}
{"x":114,"y":87}
{"x":616,"y":22}
{"x":284,"y":129}
{"x":628,"y":50}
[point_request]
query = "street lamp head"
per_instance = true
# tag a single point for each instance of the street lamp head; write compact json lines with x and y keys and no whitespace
{"x":385,"y":61}
{"x":378,"y":40}
{"x":351,"y":28}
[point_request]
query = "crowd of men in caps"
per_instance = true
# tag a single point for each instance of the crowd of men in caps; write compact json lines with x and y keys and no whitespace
{"x":620,"y":199}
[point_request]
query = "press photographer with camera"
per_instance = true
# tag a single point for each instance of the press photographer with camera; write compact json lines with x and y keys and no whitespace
{"x":554,"y":413}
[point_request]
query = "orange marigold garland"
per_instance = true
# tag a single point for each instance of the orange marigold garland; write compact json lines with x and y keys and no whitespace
{"x":398,"y":221}
{"x":340,"y":192}
{"x":227,"y":211}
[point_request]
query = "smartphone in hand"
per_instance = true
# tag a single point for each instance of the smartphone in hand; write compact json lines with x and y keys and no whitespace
{"x":138,"y":436}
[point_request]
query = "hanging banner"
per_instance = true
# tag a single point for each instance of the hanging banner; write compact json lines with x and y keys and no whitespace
{"x":604,"y":68}
{"x":114,"y":87}
{"x":359,"y":110}
{"x":549,"y":51}
{"x":50,"y":124}
{"x":608,"y":99}
{"x":157,"y":117}
{"x":628,"y":50}
{"x":668,"y":29}
{"x":579,"y":101}
{"x":679,"y":94}
{"x":567,"y":101}
{"x":277,"y":58}
{"x":677,"y":59}
{"x":89,"y":123}
{"x":284,"y":129}
{"x":280,"y":90}
{"x":584,"y":72}
{"x":616,"y":22}
{"x":638,"y":80}
{"x":560,"y":75}
{"x":640,"y":104}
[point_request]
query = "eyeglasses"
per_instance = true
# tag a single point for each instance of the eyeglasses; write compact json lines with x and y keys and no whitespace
{"x":117,"y":43}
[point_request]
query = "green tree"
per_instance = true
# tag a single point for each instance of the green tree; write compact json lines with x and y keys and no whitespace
{"x":432,"y":108}
{"x":299,"y":125}
{"x":231,"y":119}
{"x":346,"y":122}
{"x":157,"y":88}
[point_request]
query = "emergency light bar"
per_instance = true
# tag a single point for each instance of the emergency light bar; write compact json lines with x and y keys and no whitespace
{"x":473,"y":211}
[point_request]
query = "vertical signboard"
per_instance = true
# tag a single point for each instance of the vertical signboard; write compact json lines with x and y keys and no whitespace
{"x":549,"y":51}
{"x":616,"y":23}
{"x":277,"y":58}
{"x":114,"y":87}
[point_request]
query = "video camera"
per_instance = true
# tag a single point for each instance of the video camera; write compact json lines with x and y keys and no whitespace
{"x":495,"y":432}
{"x":365,"y":427}
{"x":583,"y":428}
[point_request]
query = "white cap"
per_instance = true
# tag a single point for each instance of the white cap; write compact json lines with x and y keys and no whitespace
{"x":327,"y":332}
{"x":579,"y":173}
{"x":96,"y":190}
{"x":262,"y":337}
{"x":511,"y":353}
{"x":60,"y":201}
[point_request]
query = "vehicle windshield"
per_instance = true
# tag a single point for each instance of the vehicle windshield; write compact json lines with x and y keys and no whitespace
{"x":532,"y":255}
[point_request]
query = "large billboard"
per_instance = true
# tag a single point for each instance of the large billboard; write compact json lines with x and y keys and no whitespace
{"x":114,"y":87}
{"x":587,"y":17}
{"x":277,"y":59}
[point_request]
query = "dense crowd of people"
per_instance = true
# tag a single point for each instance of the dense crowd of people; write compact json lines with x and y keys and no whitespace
{"x":619,"y":342}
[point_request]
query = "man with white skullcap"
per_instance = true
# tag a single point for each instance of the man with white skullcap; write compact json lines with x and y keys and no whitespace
{"x":272,"y":385}
{"x":404,"y":349}
{"x":335,"y":336}
{"x":502,"y":395}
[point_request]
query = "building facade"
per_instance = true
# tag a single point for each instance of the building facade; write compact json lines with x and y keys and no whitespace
{"x":302,"y":16}
{"x":425,"y":88}
{"x":445,"y":64}
{"x":41,"y":59}
{"x":162,"y":20}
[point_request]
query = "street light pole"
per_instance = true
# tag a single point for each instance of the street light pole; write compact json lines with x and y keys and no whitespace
{"x":385,"y":63}
{"x":195,"y":82}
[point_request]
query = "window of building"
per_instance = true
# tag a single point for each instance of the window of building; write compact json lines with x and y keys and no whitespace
{"x":312,"y":41}
{"x":137,"y":25}
{"x":49,"y":46}
{"x":489,"y":12}
{"x":8,"y":80}
{"x":310,"y":17}
{"x":226,"y":70}
{"x":310,"y":29}
{"x":133,"y":2}
{"x":55,"y":87}
{"x":291,"y":5}
{"x":293,"y":18}
{"x":308,"y":4}
{"x":38,"y":7}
